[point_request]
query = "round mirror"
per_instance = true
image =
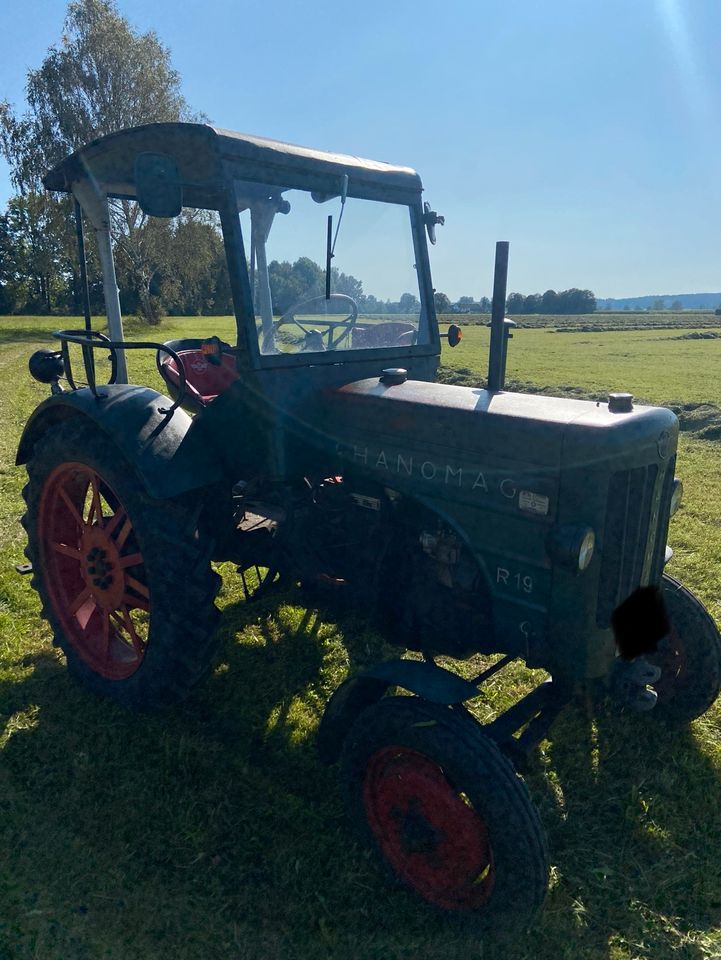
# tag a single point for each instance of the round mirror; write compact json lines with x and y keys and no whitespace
{"x":431,"y":218}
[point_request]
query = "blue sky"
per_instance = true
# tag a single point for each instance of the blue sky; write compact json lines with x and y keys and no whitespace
{"x":586,"y":132}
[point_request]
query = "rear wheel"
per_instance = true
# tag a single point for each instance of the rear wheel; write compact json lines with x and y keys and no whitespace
{"x":689,"y":657}
{"x":124,"y":580}
{"x":445,"y":811}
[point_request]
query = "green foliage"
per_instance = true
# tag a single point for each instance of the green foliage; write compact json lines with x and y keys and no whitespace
{"x":103,"y":77}
{"x":36,"y":234}
{"x":162,"y":266}
{"x":571,"y":301}
{"x":470,"y":305}
{"x":442,"y":303}
{"x":293,"y":283}
{"x":175,"y":266}
{"x":195,"y":280}
{"x":13,"y":284}
{"x":408,"y":303}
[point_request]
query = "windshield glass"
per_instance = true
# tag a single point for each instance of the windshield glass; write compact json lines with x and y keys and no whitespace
{"x":370,"y":297}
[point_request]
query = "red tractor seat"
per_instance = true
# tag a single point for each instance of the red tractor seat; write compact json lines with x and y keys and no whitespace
{"x":204,"y":380}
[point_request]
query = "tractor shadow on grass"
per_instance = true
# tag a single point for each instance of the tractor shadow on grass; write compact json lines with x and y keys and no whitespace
{"x":291,"y":649}
{"x":216,"y":808}
{"x":214,"y":823}
{"x":29,"y":335}
{"x":633,"y":812}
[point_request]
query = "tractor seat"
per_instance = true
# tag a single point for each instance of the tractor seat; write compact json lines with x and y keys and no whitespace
{"x":204,"y":380}
{"x":388,"y":334}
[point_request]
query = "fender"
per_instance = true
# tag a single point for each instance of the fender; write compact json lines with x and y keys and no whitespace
{"x":425,"y":679}
{"x":165,"y":453}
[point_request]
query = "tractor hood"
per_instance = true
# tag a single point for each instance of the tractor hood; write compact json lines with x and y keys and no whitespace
{"x":522,"y":480}
{"x":457,"y":442}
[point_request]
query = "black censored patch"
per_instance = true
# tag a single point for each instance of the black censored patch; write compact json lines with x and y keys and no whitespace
{"x":640,"y":622}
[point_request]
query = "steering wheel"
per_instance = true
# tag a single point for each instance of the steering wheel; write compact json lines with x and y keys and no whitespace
{"x":313,"y":337}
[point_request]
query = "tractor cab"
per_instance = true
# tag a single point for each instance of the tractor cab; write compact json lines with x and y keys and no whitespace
{"x":326,"y":257}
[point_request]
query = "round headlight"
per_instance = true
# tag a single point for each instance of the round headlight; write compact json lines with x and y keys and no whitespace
{"x":676,"y":495}
{"x":46,"y":365}
{"x":571,"y":546}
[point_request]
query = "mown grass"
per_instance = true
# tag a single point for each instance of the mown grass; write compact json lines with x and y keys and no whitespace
{"x":212,"y":831}
{"x":657,"y":366}
{"x":602,"y":320}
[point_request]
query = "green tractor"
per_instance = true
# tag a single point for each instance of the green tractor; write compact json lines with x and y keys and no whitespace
{"x":318,"y":450}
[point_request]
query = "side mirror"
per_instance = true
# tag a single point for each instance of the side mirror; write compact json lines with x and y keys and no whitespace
{"x":431,"y":219}
{"x":157,"y":185}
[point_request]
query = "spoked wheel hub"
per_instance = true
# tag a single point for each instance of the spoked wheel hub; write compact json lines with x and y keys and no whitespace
{"x":101,"y":567}
{"x":94,"y":569}
{"x":428,"y":831}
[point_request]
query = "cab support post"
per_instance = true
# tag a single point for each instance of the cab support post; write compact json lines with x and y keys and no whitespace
{"x":88,"y":354}
{"x":499,"y":339}
{"x":95,"y":206}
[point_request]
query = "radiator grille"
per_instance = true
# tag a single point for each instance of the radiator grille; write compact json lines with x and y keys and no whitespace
{"x":625,"y":538}
{"x":659,"y":548}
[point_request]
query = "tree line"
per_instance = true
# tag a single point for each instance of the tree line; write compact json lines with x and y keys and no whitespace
{"x":571,"y":301}
{"x":182,"y":270}
{"x":564,"y":302}
{"x":293,"y":283}
{"x":175,"y":267}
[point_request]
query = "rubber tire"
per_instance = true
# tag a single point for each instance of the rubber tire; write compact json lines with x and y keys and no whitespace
{"x":182,"y":630}
{"x":476,"y":766}
{"x":690,"y":658}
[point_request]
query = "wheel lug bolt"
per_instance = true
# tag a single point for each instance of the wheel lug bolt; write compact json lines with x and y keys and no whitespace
{"x":92,"y":570}
{"x":97,"y":582}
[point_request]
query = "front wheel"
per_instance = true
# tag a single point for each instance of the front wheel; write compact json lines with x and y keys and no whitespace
{"x":124,"y":580}
{"x":689,"y":657}
{"x":445,"y":810}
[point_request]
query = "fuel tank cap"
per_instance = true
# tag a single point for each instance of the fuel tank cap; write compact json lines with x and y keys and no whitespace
{"x":394,"y":375}
{"x":620,"y":402}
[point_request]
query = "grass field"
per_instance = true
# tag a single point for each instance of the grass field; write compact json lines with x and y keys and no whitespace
{"x":656,"y":365}
{"x":602,"y":320}
{"x":212,"y":831}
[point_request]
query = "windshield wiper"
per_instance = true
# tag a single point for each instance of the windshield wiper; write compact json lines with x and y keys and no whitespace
{"x":330,"y":239}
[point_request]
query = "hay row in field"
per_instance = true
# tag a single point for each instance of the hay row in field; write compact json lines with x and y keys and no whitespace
{"x":597,"y":322}
{"x":699,"y":420}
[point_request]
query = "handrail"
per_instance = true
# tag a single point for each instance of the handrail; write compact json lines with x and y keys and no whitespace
{"x":94,"y":340}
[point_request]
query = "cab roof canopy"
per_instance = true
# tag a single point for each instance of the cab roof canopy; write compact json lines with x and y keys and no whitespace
{"x":208,"y":159}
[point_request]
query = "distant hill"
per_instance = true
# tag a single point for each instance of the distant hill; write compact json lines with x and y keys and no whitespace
{"x":688,"y":301}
